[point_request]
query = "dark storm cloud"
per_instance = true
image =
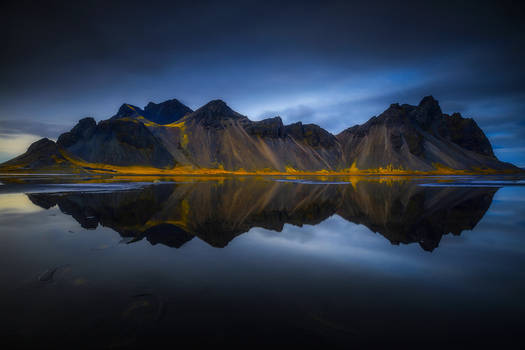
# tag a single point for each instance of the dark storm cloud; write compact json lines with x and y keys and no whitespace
{"x":335,"y":63}
{"x":131,"y":37}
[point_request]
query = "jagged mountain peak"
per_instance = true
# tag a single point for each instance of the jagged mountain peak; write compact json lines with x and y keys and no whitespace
{"x":172,"y":101}
{"x":127,"y":111}
{"x":423,"y":115}
{"x":311,"y":134}
{"x":40,"y":144}
{"x":127,"y":108}
{"x":429,"y":101}
{"x":162,"y":113}
{"x":84,"y":129}
{"x":276,"y":119}
{"x":86,"y":122}
{"x":428,"y":110}
{"x":272,"y":127}
{"x":213,"y":112}
{"x":218,"y":108}
{"x":166,"y":112}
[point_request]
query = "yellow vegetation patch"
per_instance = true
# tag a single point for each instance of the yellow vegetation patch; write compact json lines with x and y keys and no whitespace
{"x":291,"y":170}
{"x":97,"y":168}
{"x":185,"y":140}
{"x":440,"y":169}
{"x":147,"y":122}
{"x":389,"y":169}
{"x":178,"y":124}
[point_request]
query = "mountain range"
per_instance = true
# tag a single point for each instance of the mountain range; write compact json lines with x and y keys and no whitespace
{"x":169,"y":137}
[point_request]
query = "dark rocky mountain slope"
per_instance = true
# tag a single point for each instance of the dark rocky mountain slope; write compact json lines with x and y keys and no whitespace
{"x":116,"y":141}
{"x":169,"y":134}
{"x":43,"y":155}
{"x":418,"y":138}
{"x":215,"y":136}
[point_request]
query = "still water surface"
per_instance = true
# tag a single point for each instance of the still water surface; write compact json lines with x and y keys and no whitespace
{"x":254,"y":261}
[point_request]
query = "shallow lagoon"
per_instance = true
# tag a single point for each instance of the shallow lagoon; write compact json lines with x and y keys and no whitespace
{"x":116,"y":263}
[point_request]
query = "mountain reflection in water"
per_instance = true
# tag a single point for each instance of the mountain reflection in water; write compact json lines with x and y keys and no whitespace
{"x":218,"y":211}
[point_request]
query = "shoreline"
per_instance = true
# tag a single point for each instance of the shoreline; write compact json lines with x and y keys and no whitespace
{"x":214,"y":172}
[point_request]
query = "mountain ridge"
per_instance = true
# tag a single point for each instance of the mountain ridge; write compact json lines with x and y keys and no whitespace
{"x":170,"y":137}
{"x":163,"y":113}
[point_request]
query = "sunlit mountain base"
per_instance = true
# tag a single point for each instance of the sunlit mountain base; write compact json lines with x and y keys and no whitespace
{"x":74,"y":165}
